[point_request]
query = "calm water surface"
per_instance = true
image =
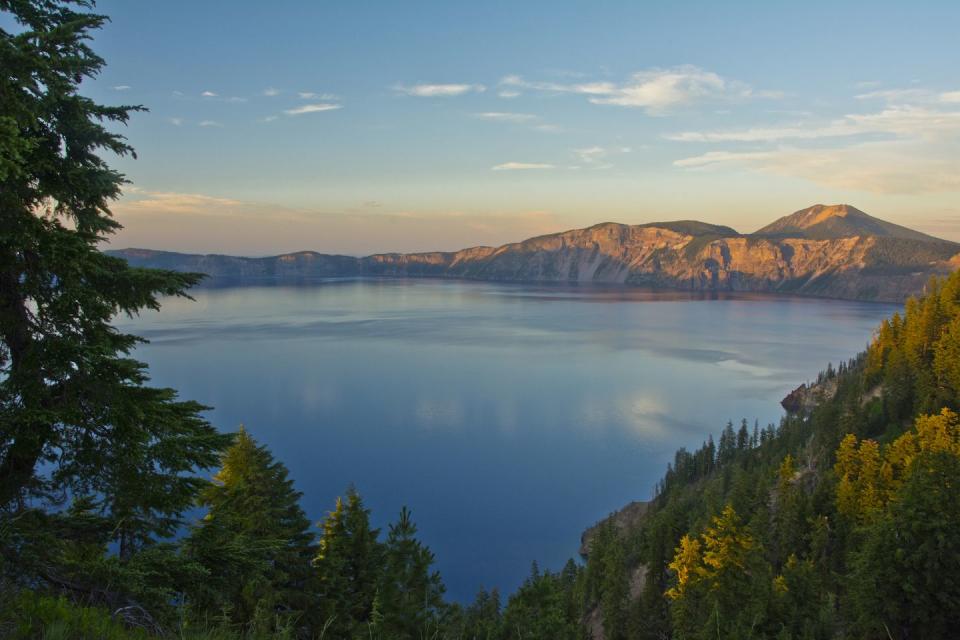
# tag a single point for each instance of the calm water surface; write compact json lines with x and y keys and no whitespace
{"x":507,"y":417}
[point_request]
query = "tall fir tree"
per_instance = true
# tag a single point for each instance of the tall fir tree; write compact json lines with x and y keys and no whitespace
{"x":76,"y":415}
{"x":254,"y":541}
{"x":348,"y":566}
{"x":410,"y":592}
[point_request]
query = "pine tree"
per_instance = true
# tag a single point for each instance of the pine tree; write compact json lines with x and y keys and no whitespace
{"x":411,"y":594}
{"x":906,"y":578}
{"x":76,"y":416}
{"x":348,"y":566}
{"x":483,"y":618}
{"x":254,"y":541}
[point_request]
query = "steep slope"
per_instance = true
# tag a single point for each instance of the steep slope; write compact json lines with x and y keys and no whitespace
{"x":880,"y":262}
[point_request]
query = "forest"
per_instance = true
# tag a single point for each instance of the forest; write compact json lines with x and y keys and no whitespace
{"x":840,"y":522}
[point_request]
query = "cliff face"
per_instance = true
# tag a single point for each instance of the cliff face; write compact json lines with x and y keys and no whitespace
{"x":682,"y":255}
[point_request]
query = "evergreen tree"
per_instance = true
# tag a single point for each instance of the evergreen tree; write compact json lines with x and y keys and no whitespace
{"x":76,"y":416}
{"x":411,"y":595}
{"x":906,"y":579}
{"x":721,"y":584}
{"x":254,"y":541}
{"x":483,"y":618}
{"x":543,"y":607}
{"x":348,"y":567}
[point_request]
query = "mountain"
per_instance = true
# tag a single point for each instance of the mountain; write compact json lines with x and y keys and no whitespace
{"x":831,"y":251}
{"x":823,"y":222}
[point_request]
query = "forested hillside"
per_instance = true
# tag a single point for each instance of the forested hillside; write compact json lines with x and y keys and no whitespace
{"x":840,"y":522}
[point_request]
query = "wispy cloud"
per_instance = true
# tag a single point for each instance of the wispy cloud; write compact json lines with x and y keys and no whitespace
{"x":716,"y":158}
{"x":909,"y":146}
{"x":912,"y":95}
{"x":508,"y":93}
{"x":271,"y":91}
{"x":502,"y":116}
{"x":372,"y":226}
{"x":521,"y":166}
{"x":175,"y":121}
{"x":174,"y":203}
{"x":122,"y":87}
{"x":529,"y":120}
{"x":312,"y":95}
{"x":313,"y":108}
{"x":901,"y":121}
{"x":657,"y":91}
{"x":439,"y":90}
{"x":595,"y":154}
{"x":209,"y":123}
{"x":209,"y":94}
{"x":235,"y":100}
{"x":890,"y":167}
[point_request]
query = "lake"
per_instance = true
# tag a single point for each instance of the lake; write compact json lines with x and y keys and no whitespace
{"x":507,"y":417}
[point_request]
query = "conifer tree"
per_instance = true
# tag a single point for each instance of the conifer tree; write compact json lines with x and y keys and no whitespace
{"x":348,"y":567}
{"x":254,"y":541}
{"x":410,"y":593}
{"x":76,"y":416}
{"x":906,"y":578}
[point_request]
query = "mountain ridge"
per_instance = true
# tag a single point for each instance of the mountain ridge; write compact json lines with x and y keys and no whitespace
{"x":860,"y":257}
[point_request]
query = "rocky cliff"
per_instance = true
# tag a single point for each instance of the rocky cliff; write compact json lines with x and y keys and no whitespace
{"x":833,"y":251}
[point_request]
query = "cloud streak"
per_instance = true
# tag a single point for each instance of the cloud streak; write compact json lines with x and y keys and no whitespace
{"x":521,"y":166}
{"x":439,"y":90}
{"x":887,"y":167}
{"x":502,"y":116}
{"x":901,"y":121}
{"x":656,"y":91}
{"x":313,"y":108}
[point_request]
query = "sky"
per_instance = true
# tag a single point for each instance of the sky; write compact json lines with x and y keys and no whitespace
{"x":362,"y":127}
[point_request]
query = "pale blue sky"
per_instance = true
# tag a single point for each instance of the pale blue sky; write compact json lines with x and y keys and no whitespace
{"x":365,"y":126}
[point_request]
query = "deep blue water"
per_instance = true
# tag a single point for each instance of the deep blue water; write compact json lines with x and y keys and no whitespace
{"x":507,"y":417}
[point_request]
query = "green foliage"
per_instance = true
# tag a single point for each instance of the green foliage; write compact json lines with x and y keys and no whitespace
{"x":547,"y":605}
{"x":906,"y":579}
{"x":77,"y":421}
{"x":349,"y":565}
{"x":254,"y":542}
{"x":410,"y":595}
{"x":30,"y":615}
{"x":720,"y":582}
{"x":481,"y":620}
{"x":850,"y":535}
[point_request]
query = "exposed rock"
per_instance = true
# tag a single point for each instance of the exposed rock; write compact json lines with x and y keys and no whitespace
{"x":625,"y":519}
{"x":805,"y":398}
{"x":836,"y":251}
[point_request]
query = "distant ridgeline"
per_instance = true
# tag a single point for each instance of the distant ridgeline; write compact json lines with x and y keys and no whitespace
{"x":842,"y":522}
{"x":831,"y":251}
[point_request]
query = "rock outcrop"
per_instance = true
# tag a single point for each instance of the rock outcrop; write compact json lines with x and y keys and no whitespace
{"x":805,"y":398}
{"x":626,"y":519}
